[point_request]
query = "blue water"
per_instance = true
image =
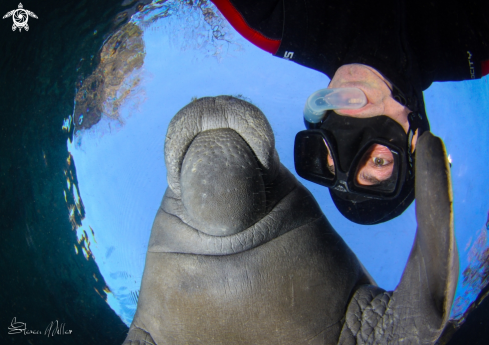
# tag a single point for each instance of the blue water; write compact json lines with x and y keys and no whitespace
{"x":120,"y":163}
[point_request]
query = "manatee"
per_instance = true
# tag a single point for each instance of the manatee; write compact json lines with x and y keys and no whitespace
{"x":240,"y":252}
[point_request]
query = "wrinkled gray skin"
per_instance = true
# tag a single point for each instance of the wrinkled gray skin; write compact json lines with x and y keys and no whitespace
{"x":240,"y":252}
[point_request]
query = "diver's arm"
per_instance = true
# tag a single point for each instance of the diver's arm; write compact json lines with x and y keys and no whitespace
{"x":418,"y":309}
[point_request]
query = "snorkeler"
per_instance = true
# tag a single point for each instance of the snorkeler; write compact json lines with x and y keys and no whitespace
{"x":391,"y":51}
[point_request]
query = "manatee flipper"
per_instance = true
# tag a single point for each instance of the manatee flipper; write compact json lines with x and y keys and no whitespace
{"x":418,"y":309}
{"x":137,"y":336}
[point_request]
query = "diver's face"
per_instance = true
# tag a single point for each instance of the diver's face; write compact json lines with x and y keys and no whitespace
{"x":378,"y":162}
{"x":376,"y":166}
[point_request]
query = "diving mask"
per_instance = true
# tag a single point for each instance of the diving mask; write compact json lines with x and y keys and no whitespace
{"x":362,"y":156}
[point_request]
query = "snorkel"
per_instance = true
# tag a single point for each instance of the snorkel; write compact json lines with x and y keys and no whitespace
{"x":330,"y":99}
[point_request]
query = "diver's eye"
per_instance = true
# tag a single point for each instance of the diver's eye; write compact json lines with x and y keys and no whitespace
{"x":379,"y":162}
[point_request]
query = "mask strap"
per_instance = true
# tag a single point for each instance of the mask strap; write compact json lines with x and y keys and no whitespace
{"x":415,"y":123}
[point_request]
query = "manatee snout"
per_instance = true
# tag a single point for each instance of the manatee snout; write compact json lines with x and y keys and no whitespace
{"x":222,"y":188}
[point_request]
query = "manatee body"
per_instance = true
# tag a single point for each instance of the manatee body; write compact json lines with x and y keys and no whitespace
{"x":240,"y":252}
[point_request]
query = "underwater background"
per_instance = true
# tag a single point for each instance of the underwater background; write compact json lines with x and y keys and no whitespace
{"x":85,"y":99}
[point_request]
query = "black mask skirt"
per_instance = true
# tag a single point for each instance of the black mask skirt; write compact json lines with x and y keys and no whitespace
{"x":354,"y":146}
{"x":350,"y":144}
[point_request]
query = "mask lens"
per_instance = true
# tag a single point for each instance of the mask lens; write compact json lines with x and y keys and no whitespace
{"x":378,"y":169}
{"x":315,"y":157}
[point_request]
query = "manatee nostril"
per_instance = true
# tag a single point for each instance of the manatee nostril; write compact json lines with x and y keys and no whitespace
{"x":234,"y":197}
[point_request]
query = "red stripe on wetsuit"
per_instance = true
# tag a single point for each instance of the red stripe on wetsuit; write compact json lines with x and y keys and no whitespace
{"x":485,"y":67}
{"x":237,"y":21}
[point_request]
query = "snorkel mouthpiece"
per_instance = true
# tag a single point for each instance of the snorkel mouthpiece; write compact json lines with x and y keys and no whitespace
{"x":329,"y":99}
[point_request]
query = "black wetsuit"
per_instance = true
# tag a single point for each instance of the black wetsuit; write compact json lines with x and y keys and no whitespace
{"x":412,"y":43}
